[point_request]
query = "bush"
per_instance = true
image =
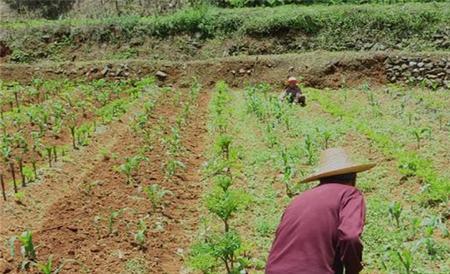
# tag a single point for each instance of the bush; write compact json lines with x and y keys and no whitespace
{"x":50,"y":9}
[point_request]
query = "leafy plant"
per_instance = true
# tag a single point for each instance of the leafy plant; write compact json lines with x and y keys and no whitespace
{"x":112,"y":218}
{"x":27,"y":249}
{"x":47,"y":267}
{"x":310,"y":149}
{"x":406,"y":259}
{"x":131,"y":165}
{"x":419,"y":134}
{"x":395,"y":211}
{"x":155,"y":193}
{"x":140,"y":235}
{"x":226,"y":203}
{"x":171,"y":167}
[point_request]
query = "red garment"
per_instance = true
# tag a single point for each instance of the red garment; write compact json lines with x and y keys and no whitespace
{"x":319,"y":233}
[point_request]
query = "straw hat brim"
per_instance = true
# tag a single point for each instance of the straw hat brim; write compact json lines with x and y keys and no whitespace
{"x":340,"y":171}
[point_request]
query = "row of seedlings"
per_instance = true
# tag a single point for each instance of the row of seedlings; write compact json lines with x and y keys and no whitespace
{"x":220,"y":246}
{"x":28,"y":250}
{"x":39,"y":133}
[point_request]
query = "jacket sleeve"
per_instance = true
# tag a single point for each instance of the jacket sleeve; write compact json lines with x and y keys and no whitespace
{"x":351,"y":224}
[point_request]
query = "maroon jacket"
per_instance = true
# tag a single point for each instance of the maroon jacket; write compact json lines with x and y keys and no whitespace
{"x":319,"y":233}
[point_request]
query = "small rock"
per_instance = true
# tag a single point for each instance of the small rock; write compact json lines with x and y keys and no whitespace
{"x":5,"y":267}
{"x":105,"y":71}
{"x":161,"y":75}
{"x":412,"y":64}
{"x":242,"y":71}
{"x":420,"y":64}
{"x":72,"y":228}
{"x":96,"y":248}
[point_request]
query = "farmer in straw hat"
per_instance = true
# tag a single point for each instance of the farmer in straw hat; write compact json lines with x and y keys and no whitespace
{"x":292,"y":93}
{"x":319,"y":231}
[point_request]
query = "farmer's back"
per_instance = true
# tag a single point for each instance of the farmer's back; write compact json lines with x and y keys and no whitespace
{"x":319,"y":228}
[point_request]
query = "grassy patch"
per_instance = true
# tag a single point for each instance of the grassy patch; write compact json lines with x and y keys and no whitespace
{"x":346,"y":27}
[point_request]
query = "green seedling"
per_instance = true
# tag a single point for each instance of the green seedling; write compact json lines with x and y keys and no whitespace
{"x":224,"y":204}
{"x":395,"y":210}
{"x":223,"y":145}
{"x":406,"y":259}
{"x":27,"y":249}
{"x":310,"y":149}
{"x":47,"y":267}
{"x":130,"y":166}
{"x":419,"y":134}
{"x":155,"y":193}
{"x":171,"y":167}
{"x":224,"y":182}
{"x":19,"y":197}
{"x":140,"y":237}
{"x":112,"y":218}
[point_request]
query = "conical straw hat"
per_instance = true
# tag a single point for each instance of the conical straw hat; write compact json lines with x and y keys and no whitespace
{"x":292,"y":79}
{"x":336,"y":161}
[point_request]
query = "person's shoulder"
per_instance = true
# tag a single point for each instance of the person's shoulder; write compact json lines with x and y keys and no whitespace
{"x":345,"y":190}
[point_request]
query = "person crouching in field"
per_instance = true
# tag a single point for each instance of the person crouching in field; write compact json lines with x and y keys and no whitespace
{"x":320,"y":230}
{"x":292,"y":93}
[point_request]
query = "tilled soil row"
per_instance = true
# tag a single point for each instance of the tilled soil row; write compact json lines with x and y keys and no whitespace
{"x":78,"y":227}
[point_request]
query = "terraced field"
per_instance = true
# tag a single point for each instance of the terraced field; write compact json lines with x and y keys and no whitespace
{"x":157,"y":143}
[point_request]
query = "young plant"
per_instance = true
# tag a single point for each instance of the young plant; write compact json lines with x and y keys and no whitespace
{"x":287,"y":170}
{"x":27,"y":249}
{"x":47,"y":267}
{"x":19,"y":197}
{"x":155,"y":193}
{"x":228,"y":247}
{"x":223,"y":145}
{"x":112,"y":218}
{"x":140,"y":236}
{"x":131,"y":165}
{"x":310,"y":149}
{"x":419,"y":134}
{"x":406,"y":259}
{"x":224,"y":204}
{"x":326,"y":135}
{"x":271,"y":136}
{"x":395,"y":210}
{"x":171,"y":167}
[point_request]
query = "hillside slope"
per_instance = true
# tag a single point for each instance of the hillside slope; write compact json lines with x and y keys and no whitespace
{"x":194,"y":34}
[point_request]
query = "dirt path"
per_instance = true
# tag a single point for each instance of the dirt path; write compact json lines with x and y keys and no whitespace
{"x":71,"y":212}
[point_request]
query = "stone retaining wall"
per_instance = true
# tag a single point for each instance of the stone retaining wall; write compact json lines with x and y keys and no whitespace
{"x":417,"y":70}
